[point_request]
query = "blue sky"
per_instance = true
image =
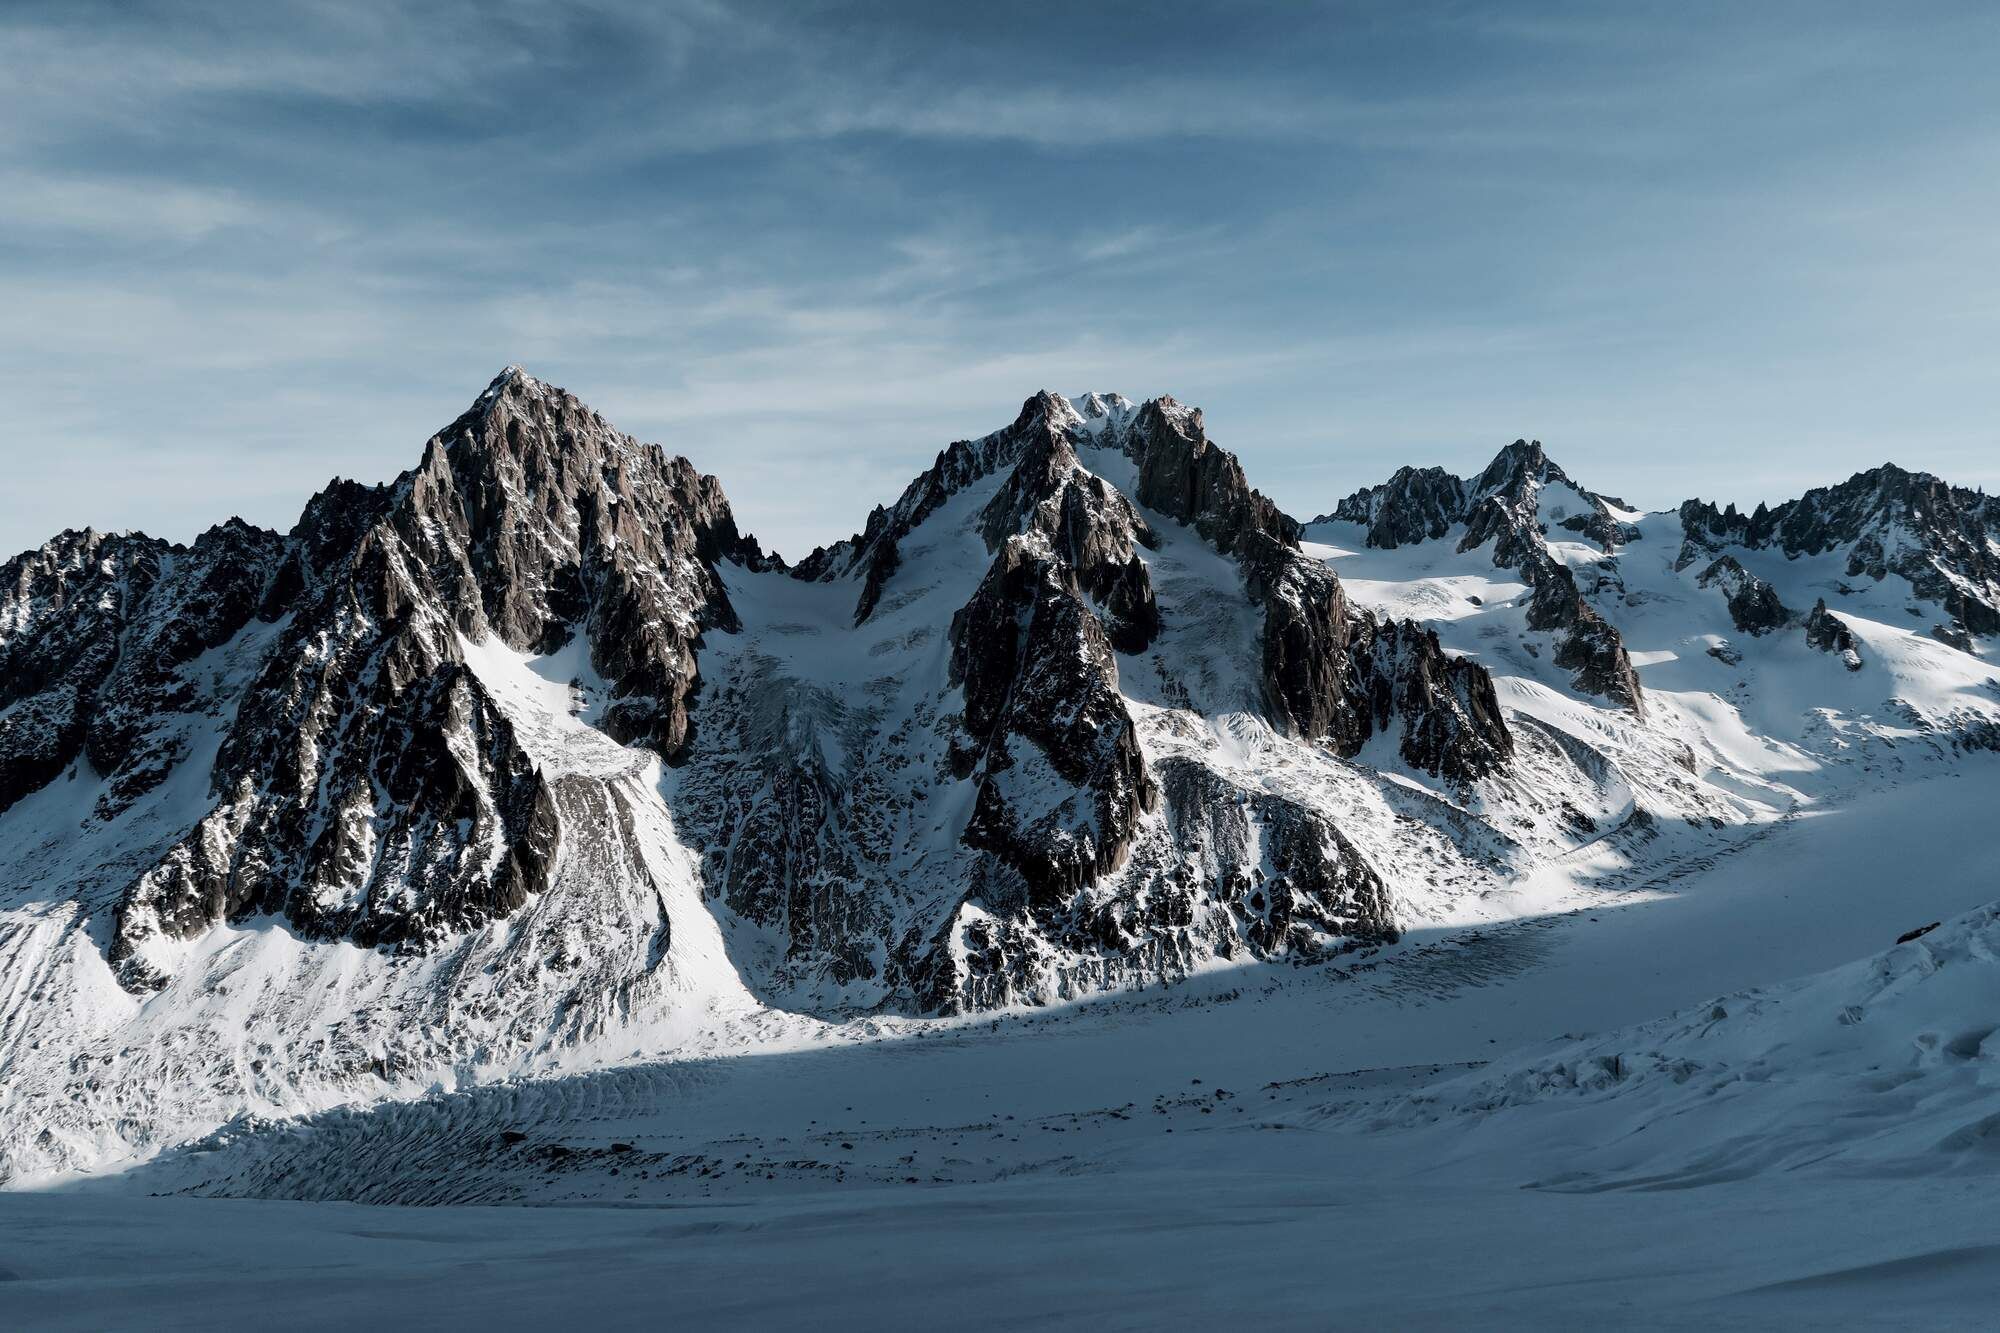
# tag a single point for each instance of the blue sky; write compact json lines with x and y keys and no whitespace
{"x":1733,"y":250}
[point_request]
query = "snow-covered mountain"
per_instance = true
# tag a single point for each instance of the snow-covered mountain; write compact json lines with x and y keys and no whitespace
{"x":531,"y":761}
{"x":1890,"y":574}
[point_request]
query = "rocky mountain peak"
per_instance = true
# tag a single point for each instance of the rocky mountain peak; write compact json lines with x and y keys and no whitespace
{"x":1414,"y":505}
{"x":1423,"y":504}
{"x":1181,"y":473}
{"x":1036,"y":714}
{"x":1511,"y":508}
{"x":1100,"y":409}
{"x":875,"y":553}
{"x":1515,"y":466}
{"x":1050,"y":411}
{"x":96,"y":631}
{"x":530,"y":520}
{"x":530,"y":751}
{"x":1888,"y":520}
{"x":511,"y":374}
{"x":1187,"y":476}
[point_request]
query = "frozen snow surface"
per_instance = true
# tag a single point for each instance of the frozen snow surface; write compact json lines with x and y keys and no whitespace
{"x":1648,"y":1051}
{"x":1303,"y":1149}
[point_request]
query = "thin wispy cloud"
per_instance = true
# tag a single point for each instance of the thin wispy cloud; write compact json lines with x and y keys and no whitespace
{"x":808,"y":244}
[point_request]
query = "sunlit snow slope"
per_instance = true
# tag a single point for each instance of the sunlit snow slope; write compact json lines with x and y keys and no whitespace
{"x":529,"y":765}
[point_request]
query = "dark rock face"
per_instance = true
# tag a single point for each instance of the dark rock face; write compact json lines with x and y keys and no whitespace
{"x":67,"y":605}
{"x":1830,"y":634}
{"x":39,"y":737}
{"x":1096,"y":535}
{"x":1506,"y":512}
{"x":1061,"y":783}
{"x":1317,"y":686}
{"x":1936,"y":536}
{"x":369,"y":788}
{"x":1706,"y":530}
{"x":1058,"y":781}
{"x":564,"y":525}
{"x":1307,"y":628}
{"x":399,"y":877}
{"x":1185,"y":476}
{"x":1238,"y":875}
{"x":1311,"y":887}
{"x":104,"y":628}
{"x":1589,"y":646}
{"x":1337,"y":677}
{"x":1063,"y":787}
{"x":1953,"y":636}
{"x":1503,"y":506}
{"x":1414,"y":505}
{"x":1090,"y":526}
{"x":1754,"y":607}
{"x":1450,"y":716}
{"x":203,"y":599}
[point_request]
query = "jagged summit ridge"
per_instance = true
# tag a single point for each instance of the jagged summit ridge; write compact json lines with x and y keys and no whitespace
{"x":1510,"y":509}
{"x":95,"y":630}
{"x":370,"y":787}
{"x":530,"y":752}
{"x":1943,"y":540}
{"x":1503,"y":502}
{"x":1074,"y":509}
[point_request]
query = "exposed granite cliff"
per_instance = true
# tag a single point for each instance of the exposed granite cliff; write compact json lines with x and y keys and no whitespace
{"x":1754,"y":607}
{"x":1510,"y":507}
{"x":369,"y":788}
{"x":1940,"y":538}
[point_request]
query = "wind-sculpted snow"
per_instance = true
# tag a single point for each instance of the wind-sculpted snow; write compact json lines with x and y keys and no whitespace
{"x":1817,"y":1151}
{"x":1890,"y":1064}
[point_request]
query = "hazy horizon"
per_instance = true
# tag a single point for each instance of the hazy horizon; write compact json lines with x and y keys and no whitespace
{"x":1731,"y":256}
